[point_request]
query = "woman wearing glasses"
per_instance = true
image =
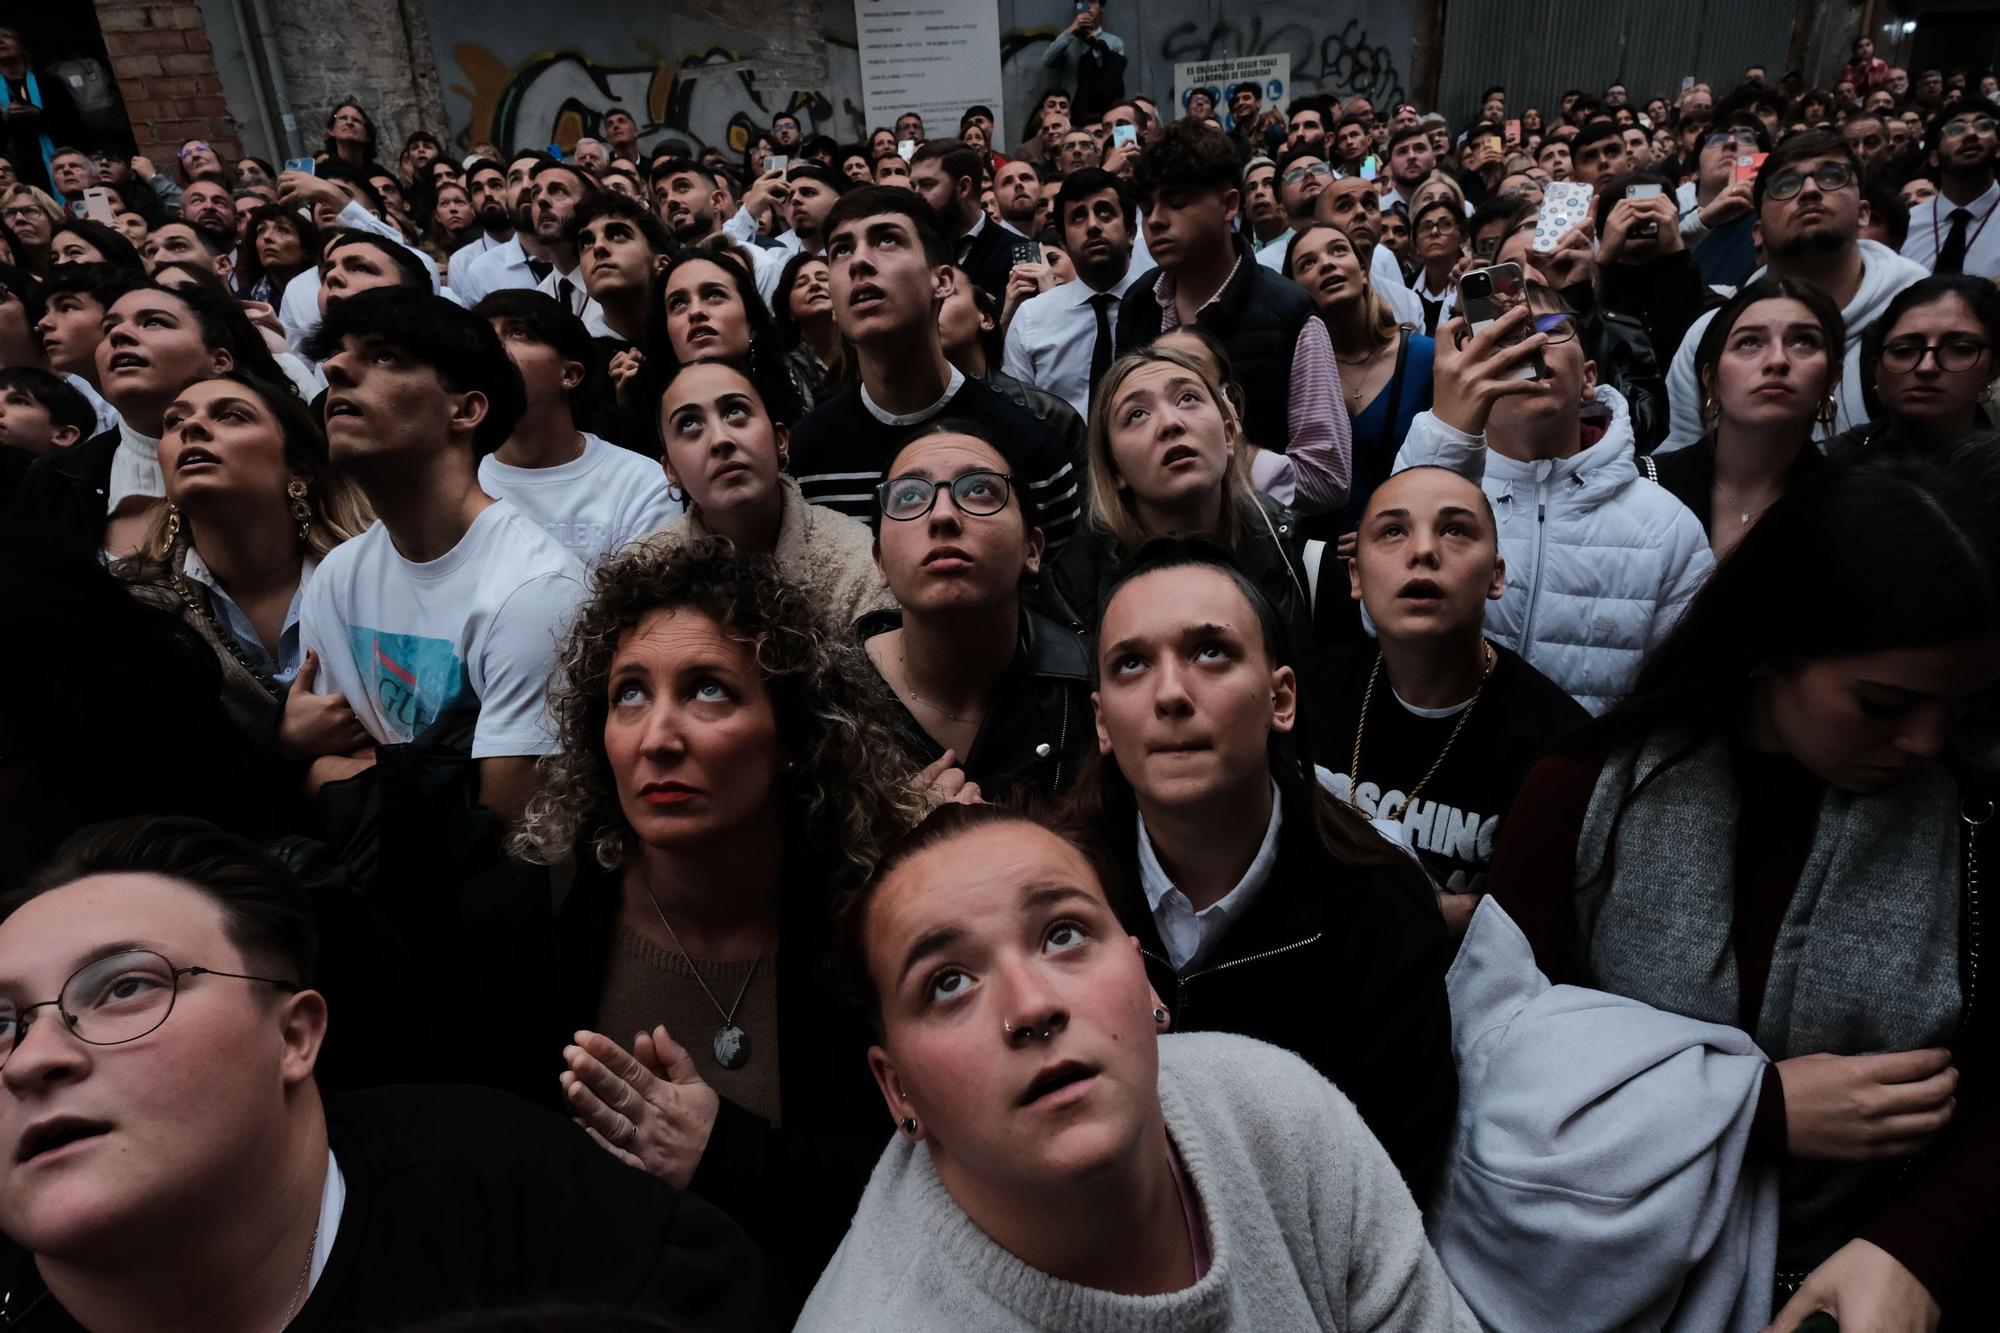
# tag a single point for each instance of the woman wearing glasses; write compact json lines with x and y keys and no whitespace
{"x":726,"y":456}
{"x":1928,"y":364}
{"x":31,"y":218}
{"x":982,"y":682}
{"x":1437,"y":231}
{"x":1769,"y":366}
{"x":725,"y":771}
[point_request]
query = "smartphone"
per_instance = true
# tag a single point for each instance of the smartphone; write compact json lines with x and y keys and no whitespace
{"x":100,"y":205}
{"x":1645,"y":229}
{"x":1124,"y":136}
{"x":906,"y":148}
{"x":1564,"y":204}
{"x":1371,"y":165}
{"x":1687,"y":82}
{"x":1748,"y":165}
{"x":1026,"y":252}
{"x":776,"y":162}
{"x":1513,"y":129}
{"x":305,"y":164}
{"x":1485,"y":294}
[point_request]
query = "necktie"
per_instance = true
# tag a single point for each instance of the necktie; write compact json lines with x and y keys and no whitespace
{"x":541,"y":268}
{"x":565,"y":290}
{"x":1951,"y":259}
{"x":1101,"y":351}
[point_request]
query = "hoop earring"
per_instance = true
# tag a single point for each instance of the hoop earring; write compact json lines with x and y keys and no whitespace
{"x":676,"y":494}
{"x":910,"y":1125}
{"x":301,"y":511}
{"x":1159,"y":1013}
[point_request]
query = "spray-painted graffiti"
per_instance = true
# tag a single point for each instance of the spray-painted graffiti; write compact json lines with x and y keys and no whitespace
{"x":705,"y":98}
{"x":1340,"y":62}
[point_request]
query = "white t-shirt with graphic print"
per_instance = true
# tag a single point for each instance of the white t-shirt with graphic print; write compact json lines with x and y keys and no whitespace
{"x":405,"y":640}
{"x":591,"y":505}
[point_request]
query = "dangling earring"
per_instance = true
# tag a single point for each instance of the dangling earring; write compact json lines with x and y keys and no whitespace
{"x":301,"y":511}
{"x":173,"y":529}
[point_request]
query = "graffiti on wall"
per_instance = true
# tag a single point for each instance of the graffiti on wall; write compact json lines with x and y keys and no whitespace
{"x":707,"y":98}
{"x":1342,"y":62}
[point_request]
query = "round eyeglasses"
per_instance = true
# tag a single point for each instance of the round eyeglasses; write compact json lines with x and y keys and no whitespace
{"x":118,"y":998}
{"x":1297,"y":174}
{"x":1829,"y":176}
{"x":1985,"y":125}
{"x":979,"y":493}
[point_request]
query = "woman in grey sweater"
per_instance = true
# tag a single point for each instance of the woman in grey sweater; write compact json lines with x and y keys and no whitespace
{"x":1057,"y":1164}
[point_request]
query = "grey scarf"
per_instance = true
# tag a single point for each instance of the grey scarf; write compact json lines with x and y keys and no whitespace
{"x":1867,"y":956}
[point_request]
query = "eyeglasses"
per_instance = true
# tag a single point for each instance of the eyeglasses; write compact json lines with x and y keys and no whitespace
{"x":1733,"y":138}
{"x":1297,"y":174}
{"x":980,"y":493}
{"x":1984,"y":125}
{"x":1555,"y":327}
{"x":116,"y":999}
{"x":1829,"y":176}
{"x":20,"y":211}
{"x":191,"y":149}
{"x":1959,"y":354}
{"x":1436,"y":227}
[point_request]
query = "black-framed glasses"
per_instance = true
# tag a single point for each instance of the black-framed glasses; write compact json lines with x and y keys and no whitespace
{"x":1829,"y":176}
{"x":1555,"y":327}
{"x":979,"y":493}
{"x":1733,"y":138}
{"x":115,"y":999}
{"x":1436,"y":227}
{"x":1983,"y":125}
{"x":1955,"y":355}
{"x":1297,"y":174}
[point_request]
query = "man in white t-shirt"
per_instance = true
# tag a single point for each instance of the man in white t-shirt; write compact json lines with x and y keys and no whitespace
{"x":453,"y":596}
{"x":587,"y":493}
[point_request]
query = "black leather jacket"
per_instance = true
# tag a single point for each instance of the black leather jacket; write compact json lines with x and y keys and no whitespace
{"x":1627,"y":361}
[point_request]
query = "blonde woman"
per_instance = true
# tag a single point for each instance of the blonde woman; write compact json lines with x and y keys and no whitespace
{"x":31,"y":218}
{"x":251,"y":506}
{"x":1167,"y":458}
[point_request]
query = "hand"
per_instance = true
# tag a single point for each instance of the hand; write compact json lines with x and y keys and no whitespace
{"x":624,"y":371}
{"x":1736,"y":199}
{"x":316,"y":725}
{"x":1620,"y":246}
{"x":300,"y":187}
{"x":1457,"y":909}
{"x":1866,"y":1289}
{"x":768,"y":191}
{"x":649,"y":1109}
{"x":1573,"y":258}
{"x":264,"y":317}
{"x":1859,"y":1108}
{"x":1083,"y":25}
{"x":1346,"y":545}
{"x":337,"y":768}
{"x":1024,"y":281}
{"x":143,"y":168}
{"x":1469,"y":379}
{"x":1122,"y":159}
{"x":943,"y":781}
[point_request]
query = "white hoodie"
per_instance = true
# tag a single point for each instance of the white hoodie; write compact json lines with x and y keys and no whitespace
{"x":1600,"y":561}
{"x":1883,"y":274}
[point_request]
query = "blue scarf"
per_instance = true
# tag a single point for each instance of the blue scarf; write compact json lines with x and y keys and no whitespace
{"x":35,"y":100}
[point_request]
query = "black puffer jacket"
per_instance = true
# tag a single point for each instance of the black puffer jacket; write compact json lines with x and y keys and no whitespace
{"x":1627,"y":361}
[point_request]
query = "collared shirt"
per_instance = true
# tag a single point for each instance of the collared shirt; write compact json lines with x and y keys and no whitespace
{"x":1050,"y":342}
{"x":971,"y":233}
{"x":1321,"y":447}
{"x":1190,"y":935}
{"x":107,"y":415}
{"x":332,"y":1203}
{"x":1271,"y":254}
{"x":135,"y":469}
{"x":237,"y":625}
{"x":1930,"y":226}
{"x":577,"y":301}
{"x":502,"y":267}
{"x":462,"y":259}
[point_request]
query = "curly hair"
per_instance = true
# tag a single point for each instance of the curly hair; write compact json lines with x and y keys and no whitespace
{"x":849,"y":797}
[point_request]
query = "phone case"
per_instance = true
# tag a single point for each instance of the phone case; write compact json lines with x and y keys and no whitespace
{"x":1564,"y":204}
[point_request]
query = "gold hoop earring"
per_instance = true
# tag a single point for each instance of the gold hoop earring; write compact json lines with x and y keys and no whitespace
{"x":301,"y":511}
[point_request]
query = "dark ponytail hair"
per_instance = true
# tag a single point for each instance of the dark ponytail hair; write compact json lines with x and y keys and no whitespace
{"x":1105,"y":798}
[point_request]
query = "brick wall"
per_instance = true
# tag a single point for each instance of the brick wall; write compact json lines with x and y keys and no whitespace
{"x":166,"y":74}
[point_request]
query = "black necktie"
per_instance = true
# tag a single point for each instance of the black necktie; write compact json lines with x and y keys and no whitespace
{"x":1101,"y":351}
{"x":564,"y":290}
{"x":1951,"y":259}
{"x":541,"y":268}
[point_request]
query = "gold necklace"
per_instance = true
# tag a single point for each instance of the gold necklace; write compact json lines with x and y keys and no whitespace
{"x":1352,"y":387}
{"x":293,"y":1304}
{"x":1492,"y":659}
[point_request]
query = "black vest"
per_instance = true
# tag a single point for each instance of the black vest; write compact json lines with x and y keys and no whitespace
{"x":1258,"y":316}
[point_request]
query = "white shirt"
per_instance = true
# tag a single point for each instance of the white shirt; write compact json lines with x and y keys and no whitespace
{"x":1272,"y":253}
{"x":332,"y":1204}
{"x":593,"y":504}
{"x":1189,"y":935}
{"x":1050,"y":342}
{"x":922,"y":414}
{"x":298,"y":308}
{"x":462,"y":259}
{"x":135,"y":469}
{"x":499,"y":269}
{"x":742,"y":228}
{"x":1930,"y":224}
{"x":404,"y":640}
{"x":577,"y":302}
{"x":107,"y":415}
{"x":230,"y":617}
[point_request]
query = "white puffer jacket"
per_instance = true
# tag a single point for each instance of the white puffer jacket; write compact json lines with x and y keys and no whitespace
{"x":1600,"y":561}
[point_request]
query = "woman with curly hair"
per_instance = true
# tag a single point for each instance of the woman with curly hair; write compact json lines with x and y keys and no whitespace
{"x":722,"y":774}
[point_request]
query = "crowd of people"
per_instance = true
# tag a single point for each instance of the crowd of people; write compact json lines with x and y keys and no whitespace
{"x":609,"y":676}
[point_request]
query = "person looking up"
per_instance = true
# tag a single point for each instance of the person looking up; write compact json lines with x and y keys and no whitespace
{"x":588,"y":494}
{"x":1187,"y":184}
{"x":486,"y":192}
{"x":267,"y":1203}
{"x":278,"y":246}
{"x":454,"y":596}
{"x":1355,"y":207}
{"x":981,"y":682}
{"x":1769,"y":366}
{"x":522,"y":261}
{"x":350,"y":137}
{"x":1718,"y":210}
{"x":1017,"y":190}
{"x":556,"y":190}
{"x":622,"y":248}
{"x":1261,"y":209}
{"x":1047,"y":1131}
{"x":1086,"y":60}
{"x":1063,"y":339}
{"x":891,"y":272}
{"x":1930,"y":357}
{"x":41,"y":414}
{"x":946,"y":175}
{"x":1950,"y":233}
{"x":70,"y":328}
{"x":621,"y":134}
{"x":1562,"y":490}
{"x":819,"y":358}
{"x":1437,"y":231}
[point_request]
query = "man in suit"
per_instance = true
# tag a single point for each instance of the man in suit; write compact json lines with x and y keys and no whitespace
{"x":946,"y":173}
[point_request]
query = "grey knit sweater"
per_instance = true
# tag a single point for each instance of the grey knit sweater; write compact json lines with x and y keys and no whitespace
{"x":1309,"y":1224}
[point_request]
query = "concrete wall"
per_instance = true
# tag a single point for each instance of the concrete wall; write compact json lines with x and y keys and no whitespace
{"x":713,"y":71}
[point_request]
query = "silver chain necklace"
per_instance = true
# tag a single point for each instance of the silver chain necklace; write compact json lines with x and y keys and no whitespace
{"x":732,"y":1043}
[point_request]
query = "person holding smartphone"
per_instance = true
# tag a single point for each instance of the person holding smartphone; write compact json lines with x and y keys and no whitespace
{"x":1082,"y":56}
{"x":1565,"y":491}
